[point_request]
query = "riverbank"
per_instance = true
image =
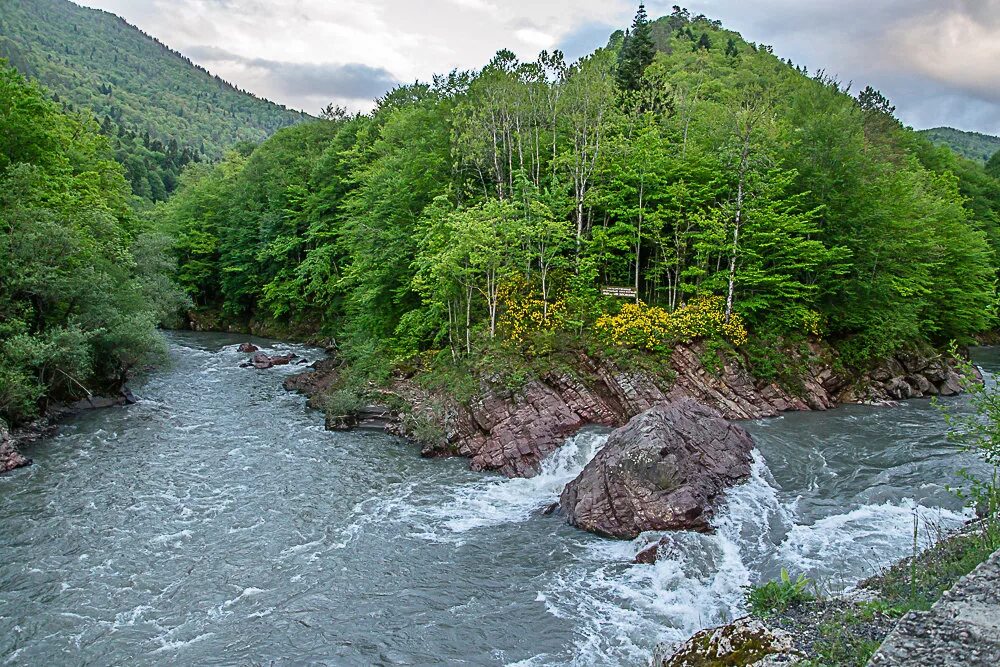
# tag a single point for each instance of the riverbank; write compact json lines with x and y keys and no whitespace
{"x":793,"y":623}
{"x":13,"y":439}
{"x":508,"y":414}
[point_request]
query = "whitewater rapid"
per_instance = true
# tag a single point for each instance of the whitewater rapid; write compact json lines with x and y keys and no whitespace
{"x":698,"y":580}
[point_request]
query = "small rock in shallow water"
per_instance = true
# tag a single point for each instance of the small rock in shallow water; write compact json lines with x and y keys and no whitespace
{"x":648,"y":554}
{"x":248,"y":348}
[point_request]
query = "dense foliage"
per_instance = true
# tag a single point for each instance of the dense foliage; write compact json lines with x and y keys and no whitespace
{"x":82,"y":284}
{"x":495,"y":205}
{"x":160,"y":109}
{"x":972,"y":145}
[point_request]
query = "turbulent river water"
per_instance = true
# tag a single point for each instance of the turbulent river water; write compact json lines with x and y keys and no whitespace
{"x":216,"y":522}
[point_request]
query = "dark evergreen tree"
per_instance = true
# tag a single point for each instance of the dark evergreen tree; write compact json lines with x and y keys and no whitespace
{"x":871,"y":99}
{"x":993,"y":166}
{"x":731,"y":50}
{"x":703,"y":42}
{"x":636,"y":53}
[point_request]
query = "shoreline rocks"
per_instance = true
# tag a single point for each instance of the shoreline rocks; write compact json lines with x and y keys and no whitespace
{"x":664,"y":470}
{"x":747,"y":642}
{"x":10,"y":457}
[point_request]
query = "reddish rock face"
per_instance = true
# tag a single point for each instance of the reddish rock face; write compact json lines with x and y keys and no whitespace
{"x":10,"y":458}
{"x":512,"y":431}
{"x":314,"y":382}
{"x":664,"y":470}
{"x":648,"y":555}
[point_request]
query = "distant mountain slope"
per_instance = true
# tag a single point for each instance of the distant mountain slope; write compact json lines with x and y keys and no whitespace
{"x":94,"y":59}
{"x":973,"y":145}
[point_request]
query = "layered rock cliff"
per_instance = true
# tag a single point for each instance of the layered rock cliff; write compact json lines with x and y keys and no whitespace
{"x":512,"y":430}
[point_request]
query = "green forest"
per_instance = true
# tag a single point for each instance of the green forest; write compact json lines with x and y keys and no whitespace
{"x":725,"y":194}
{"x":83,"y":281}
{"x":159,"y":109}
{"x":975,"y":146}
{"x":490,"y":208}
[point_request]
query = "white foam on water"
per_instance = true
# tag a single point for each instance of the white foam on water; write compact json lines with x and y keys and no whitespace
{"x":179,"y":644}
{"x":622,"y":610}
{"x":513,"y":500}
{"x":391,"y":504}
{"x":175,"y":538}
{"x":129,"y":618}
{"x":863,"y":539}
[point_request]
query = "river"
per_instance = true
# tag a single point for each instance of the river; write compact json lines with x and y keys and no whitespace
{"x":216,"y":522}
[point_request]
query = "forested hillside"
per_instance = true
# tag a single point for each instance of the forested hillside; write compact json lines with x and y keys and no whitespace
{"x":490,"y":209}
{"x":159,"y":109}
{"x":83,"y":282}
{"x":972,"y":145}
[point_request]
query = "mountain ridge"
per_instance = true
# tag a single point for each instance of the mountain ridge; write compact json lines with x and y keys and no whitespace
{"x":976,"y":146}
{"x":94,"y":59}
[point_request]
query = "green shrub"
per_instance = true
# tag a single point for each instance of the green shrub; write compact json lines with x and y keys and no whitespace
{"x":779,"y":595}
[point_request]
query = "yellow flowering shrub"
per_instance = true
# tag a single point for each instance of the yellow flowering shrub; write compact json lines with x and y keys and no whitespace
{"x":522,"y":314}
{"x":651,"y":327}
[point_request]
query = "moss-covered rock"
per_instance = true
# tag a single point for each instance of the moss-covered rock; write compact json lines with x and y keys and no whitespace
{"x":743,"y":643}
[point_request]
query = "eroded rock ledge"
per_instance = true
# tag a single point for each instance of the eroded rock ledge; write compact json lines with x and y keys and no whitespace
{"x":664,"y":470}
{"x":512,"y":430}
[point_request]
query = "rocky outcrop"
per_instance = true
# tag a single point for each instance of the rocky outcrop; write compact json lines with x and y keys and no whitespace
{"x":663,"y":471}
{"x":746,"y":642}
{"x":10,"y":458}
{"x":962,"y":629}
{"x":512,"y":429}
{"x":262,"y":361}
{"x":95,"y":402}
{"x":315,"y":382}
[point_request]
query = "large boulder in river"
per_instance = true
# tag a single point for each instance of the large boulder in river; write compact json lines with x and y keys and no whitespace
{"x":664,"y":470}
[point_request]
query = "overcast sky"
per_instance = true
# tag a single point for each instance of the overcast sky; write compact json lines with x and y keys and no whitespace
{"x":937,"y":60}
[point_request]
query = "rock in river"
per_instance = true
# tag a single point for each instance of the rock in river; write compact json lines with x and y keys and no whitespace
{"x":262,"y":361}
{"x":663,"y":470}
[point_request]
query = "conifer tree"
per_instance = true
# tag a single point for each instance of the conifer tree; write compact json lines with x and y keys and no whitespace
{"x":636,"y":53}
{"x":993,"y":166}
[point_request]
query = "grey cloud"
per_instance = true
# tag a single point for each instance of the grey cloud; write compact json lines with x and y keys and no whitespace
{"x":585,"y":39}
{"x":341,"y":81}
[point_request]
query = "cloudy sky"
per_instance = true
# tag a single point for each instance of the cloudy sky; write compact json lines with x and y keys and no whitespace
{"x":938,"y":60}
